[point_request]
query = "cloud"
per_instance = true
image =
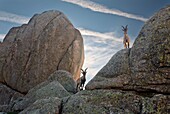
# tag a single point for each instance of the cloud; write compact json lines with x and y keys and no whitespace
{"x":2,"y":36}
{"x":10,"y":17}
{"x":99,"y":48}
{"x":102,"y":36}
{"x":102,"y":9}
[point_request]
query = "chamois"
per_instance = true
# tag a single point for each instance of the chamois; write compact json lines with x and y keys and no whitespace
{"x":81,"y":81}
{"x":126,"y":39}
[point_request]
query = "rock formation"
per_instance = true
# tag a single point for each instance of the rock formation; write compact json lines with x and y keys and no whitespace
{"x":7,"y":96}
{"x":50,"y":105}
{"x":145,"y":67}
{"x":53,"y":87}
{"x":108,"y":101}
{"x":134,"y":81}
{"x":32,"y":52}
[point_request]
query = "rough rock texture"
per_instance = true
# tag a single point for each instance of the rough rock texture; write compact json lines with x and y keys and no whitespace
{"x":44,"y":106}
{"x":135,"y":81}
{"x":65,"y":79}
{"x":32,"y":52}
{"x":150,"y":54}
{"x":146,"y":66}
{"x":115,"y":74}
{"x":7,"y":97}
{"x":115,"y":102}
{"x":53,"y":87}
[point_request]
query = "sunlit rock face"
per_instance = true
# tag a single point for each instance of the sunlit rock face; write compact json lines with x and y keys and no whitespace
{"x":32,"y":52}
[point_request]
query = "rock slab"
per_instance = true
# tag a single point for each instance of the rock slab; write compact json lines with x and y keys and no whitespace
{"x":115,"y":102}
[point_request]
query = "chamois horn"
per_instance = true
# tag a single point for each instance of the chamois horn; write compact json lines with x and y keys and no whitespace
{"x":123,"y":28}
{"x":86,"y":69}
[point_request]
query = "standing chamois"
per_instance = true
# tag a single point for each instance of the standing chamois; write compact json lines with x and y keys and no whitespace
{"x":126,"y":39}
{"x":81,"y":81}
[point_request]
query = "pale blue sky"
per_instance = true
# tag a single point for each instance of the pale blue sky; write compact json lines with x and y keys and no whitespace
{"x":99,"y":21}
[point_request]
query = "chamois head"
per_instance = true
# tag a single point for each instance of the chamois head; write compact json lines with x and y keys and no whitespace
{"x":125,"y":29}
{"x":84,"y":71}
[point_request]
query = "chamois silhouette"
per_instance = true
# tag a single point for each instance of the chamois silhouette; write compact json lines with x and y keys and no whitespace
{"x":126,"y":39}
{"x":81,"y":81}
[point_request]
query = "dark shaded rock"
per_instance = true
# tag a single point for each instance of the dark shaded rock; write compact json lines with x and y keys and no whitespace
{"x":54,"y":87}
{"x":50,"y":105}
{"x":114,"y":102}
{"x":7,"y":96}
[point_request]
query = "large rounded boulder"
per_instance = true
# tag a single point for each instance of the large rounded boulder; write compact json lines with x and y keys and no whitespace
{"x":32,"y":52}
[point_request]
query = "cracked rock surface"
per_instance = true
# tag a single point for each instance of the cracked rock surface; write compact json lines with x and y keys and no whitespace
{"x":33,"y":51}
{"x":134,"y":81}
{"x":146,"y":66}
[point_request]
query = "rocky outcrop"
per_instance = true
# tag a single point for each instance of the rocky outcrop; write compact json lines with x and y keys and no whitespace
{"x":44,"y":106}
{"x":146,"y":66}
{"x":7,"y":97}
{"x":131,"y":82}
{"x":114,"y":102}
{"x":134,"y":81}
{"x":55,"y":86}
{"x":32,"y":52}
{"x":65,"y":79}
{"x":113,"y":75}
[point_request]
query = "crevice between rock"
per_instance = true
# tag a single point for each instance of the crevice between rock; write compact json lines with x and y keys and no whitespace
{"x":30,"y":53}
{"x":62,"y":104}
{"x":145,"y":93}
{"x":26,"y":64}
{"x":49,"y":23}
{"x":67,"y":50}
{"x":4,"y":83}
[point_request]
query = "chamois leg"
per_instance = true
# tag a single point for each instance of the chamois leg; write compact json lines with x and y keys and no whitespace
{"x":125,"y":45}
{"x":128,"y":44}
{"x":81,"y":86}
